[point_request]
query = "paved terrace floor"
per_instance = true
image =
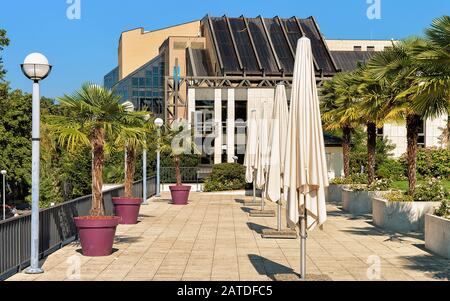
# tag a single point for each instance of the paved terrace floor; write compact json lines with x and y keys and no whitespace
{"x":213,"y":238}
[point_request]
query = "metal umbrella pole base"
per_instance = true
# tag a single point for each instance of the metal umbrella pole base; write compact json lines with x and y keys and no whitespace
{"x":253,"y":202}
{"x":262,"y":212}
{"x":279,"y":233}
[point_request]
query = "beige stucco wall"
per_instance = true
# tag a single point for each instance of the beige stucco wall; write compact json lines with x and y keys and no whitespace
{"x":137,"y":47}
{"x":347,"y":45}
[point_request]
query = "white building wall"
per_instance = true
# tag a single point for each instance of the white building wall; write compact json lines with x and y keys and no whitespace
{"x":258,"y":97}
{"x":434,"y":129}
{"x":348,"y":45}
{"x":396,"y":133}
{"x":335,"y":162}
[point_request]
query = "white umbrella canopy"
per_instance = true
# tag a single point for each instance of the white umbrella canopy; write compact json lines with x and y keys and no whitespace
{"x":263,"y":149}
{"x":251,"y":147}
{"x":278,"y":136}
{"x":305,"y":172}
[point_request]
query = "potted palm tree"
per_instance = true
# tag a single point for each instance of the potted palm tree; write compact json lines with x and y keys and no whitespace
{"x":127,"y":206}
{"x":176,"y":139}
{"x":94,"y":115}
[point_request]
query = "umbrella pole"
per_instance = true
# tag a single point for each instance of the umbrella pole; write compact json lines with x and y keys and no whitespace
{"x":254,"y":187}
{"x":279,"y":216}
{"x":262,"y":199}
{"x":303,"y":236}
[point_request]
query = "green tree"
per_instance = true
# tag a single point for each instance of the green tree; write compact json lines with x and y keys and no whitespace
{"x":96,"y":116}
{"x":4,"y":41}
{"x":339,"y":110}
{"x":395,"y":68}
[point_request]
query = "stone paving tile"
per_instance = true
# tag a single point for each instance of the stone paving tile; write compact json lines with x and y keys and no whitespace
{"x":213,"y":238}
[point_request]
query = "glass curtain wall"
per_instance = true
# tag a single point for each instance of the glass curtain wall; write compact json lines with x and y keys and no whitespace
{"x":145,"y":87}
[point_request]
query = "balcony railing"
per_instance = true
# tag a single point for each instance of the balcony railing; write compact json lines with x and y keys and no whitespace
{"x":56,"y":228}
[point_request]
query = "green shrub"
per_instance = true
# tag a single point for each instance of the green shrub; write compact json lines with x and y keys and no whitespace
{"x":431,"y":191}
{"x":391,"y":169}
{"x":432,"y":162}
{"x":380,"y":185}
{"x":444,"y":209}
{"x":340,"y":181}
{"x":398,"y":196}
{"x":226,"y":176}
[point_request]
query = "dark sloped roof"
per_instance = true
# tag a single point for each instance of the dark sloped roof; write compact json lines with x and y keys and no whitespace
{"x":263,"y":45}
{"x":198,"y":62}
{"x":348,"y":60}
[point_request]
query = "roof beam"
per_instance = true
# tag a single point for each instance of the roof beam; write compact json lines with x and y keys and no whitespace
{"x":283,"y":29}
{"x":216,"y":45}
{"x":253,"y":44}
{"x":316,"y":66}
{"x":271,"y":44}
{"x":241,"y":66}
{"x":191,"y":58}
{"x":325,"y":43}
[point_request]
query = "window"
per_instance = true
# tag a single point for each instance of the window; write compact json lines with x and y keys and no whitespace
{"x":380,"y":132}
{"x":370,"y":48}
{"x":421,"y":138}
{"x":357,"y":48}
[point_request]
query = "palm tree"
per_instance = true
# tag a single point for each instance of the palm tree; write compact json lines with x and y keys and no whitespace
{"x":96,"y":116}
{"x":375,"y":107}
{"x":137,"y":120}
{"x":339,"y":111}
{"x":396,"y":68}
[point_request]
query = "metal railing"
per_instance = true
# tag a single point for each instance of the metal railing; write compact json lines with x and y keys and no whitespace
{"x":188,"y":174}
{"x":56,"y":228}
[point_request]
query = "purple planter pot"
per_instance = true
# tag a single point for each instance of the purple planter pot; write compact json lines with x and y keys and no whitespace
{"x":180,"y":194}
{"x":97,"y":234}
{"x":127,"y":209}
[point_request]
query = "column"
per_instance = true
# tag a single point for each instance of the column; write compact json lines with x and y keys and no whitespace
{"x":218,"y":126}
{"x":230,"y":126}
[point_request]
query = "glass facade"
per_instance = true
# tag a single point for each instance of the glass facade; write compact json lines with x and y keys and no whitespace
{"x":111,"y":78}
{"x":144,"y":87}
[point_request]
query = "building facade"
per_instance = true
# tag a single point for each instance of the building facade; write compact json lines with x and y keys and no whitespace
{"x":214,"y":71}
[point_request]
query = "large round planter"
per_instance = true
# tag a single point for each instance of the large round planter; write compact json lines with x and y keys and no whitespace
{"x":180,"y":194}
{"x":127,"y":209}
{"x":97,"y":234}
{"x":437,"y":235}
{"x":401,"y":216}
{"x":334,"y":193}
{"x":358,"y":202}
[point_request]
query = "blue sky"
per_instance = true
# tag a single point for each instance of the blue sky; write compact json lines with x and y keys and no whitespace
{"x":85,"y":49}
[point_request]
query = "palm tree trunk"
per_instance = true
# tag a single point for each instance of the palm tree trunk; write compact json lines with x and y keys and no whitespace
{"x":177,"y":169}
{"x":346,"y":135}
{"x":130,"y":170}
{"x":97,"y":144}
{"x":371,"y":150}
{"x":412,"y":133}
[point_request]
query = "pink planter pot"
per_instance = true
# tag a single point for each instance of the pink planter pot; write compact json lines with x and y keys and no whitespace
{"x":127,"y":209}
{"x":97,"y":234}
{"x":180,"y":194}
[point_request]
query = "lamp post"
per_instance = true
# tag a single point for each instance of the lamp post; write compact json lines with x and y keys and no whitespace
{"x":36,"y":68}
{"x":159,"y":123}
{"x":4,"y":193}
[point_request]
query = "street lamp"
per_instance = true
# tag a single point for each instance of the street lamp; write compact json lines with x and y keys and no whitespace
{"x":3,"y":172}
{"x":36,"y":68}
{"x":159,"y":123}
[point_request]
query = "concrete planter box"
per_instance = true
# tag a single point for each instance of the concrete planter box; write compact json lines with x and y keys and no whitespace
{"x":401,"y":216}
{"x":357,"y":202}
{"x":437,"y":235}
{"x":334,"y":193}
